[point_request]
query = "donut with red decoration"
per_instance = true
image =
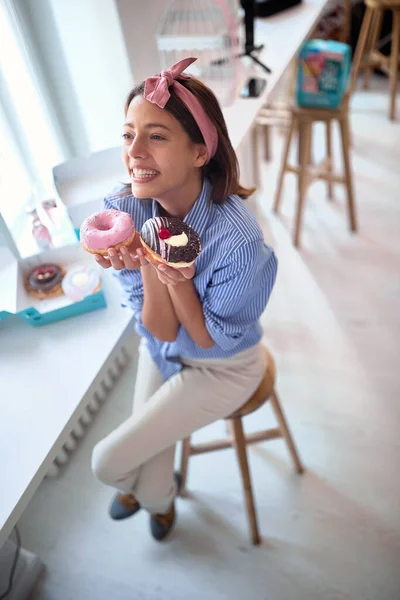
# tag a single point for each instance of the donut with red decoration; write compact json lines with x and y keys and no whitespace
{"x":45,"y":281}
{"x":170,"y":241}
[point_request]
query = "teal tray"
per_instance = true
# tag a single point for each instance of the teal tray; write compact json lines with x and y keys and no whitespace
{"x":37,"y":319}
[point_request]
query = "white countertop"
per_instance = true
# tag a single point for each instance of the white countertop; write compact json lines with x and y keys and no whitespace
{"x":45,"y":373}
{"x":282,"y":36}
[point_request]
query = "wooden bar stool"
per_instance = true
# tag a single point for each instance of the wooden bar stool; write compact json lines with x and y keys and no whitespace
{"x":238,"y":440}
{"x":276,"y":113}
{"x":346,"y":29}
{"x":302,"y":120}
{"x":367,"y":55}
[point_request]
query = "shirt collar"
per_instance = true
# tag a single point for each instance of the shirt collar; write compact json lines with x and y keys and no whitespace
{"x":199,"y":214}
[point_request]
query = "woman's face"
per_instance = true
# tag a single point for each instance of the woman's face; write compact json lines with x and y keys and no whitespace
{"x":157,"y":152}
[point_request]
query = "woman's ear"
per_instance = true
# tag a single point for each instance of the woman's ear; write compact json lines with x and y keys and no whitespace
{"x":201,"y":155}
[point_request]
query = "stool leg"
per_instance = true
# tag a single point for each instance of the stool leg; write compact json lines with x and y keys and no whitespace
{"x":329,"y":157}
{"x":239,"y":443}
{"x":304,"y":160}
{"x":284,"y":165}
{"x":185,"y":454}
{"x":280,"y":417}
{"x":394,"y":62}
{"x":292,"y":80}
{"x":361,"y":43}
{"x":345,"y":33}
{"x":344,"y":134}
{"x":255,"y":156}
{"x":267,"y":142}
{"x":373,"y":39}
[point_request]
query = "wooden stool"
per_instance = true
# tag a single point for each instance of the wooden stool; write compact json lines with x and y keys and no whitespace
{"x":278,"y":113}
{"x":238,"y":440}
{"x":271,"y":115}
{"x":346,"y":29}
{"x":367,"y":55}
{"x":302,"y":120}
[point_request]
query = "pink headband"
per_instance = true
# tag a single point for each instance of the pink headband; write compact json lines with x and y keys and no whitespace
{"x":156,"y":91}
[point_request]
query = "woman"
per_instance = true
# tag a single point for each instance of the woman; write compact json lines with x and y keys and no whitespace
{"x":200,"y":357}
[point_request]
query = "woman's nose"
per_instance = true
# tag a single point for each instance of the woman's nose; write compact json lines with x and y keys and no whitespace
{"x":137,"y":148}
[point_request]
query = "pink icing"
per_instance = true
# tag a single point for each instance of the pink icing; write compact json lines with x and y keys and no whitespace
{"x":106,"y":229}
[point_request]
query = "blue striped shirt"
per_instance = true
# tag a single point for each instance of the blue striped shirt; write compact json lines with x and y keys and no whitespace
{"x":234,"y":277}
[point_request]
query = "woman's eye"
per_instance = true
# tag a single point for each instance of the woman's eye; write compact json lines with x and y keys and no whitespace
{"x":126,"y":136}
{"x":155,"y":136}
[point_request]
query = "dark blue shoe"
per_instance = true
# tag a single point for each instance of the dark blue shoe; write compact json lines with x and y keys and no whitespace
{"x":123,"y":506}
{"x":161,"y":525}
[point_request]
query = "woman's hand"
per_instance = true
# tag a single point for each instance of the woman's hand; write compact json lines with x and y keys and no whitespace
{"x":125,"y":258}
{"x":118,"y":260}
{"x":170,"y":276}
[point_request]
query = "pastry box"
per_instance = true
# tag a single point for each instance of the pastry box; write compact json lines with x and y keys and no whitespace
{"x":84,"y":290}
{"x":323,"y":73}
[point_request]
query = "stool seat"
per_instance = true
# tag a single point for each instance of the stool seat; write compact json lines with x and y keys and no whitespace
{"x":238,"y":440}
{"x":263,"y":392}
{"x":313,"y":113}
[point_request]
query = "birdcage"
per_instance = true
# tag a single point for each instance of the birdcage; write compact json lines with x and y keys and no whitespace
{"x":207,"y":30}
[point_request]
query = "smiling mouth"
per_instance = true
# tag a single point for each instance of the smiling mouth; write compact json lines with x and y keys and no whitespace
{"x":143,"y":173}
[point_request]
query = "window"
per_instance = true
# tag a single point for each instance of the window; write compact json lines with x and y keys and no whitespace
{"x":29,"y":147}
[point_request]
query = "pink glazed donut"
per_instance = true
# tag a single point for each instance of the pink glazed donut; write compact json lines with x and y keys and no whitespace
{"x":107,"y":229}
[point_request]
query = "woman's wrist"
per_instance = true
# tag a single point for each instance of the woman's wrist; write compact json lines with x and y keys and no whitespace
{"x":179,"y":285}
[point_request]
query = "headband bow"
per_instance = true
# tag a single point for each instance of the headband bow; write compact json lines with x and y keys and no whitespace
{"x":156,"y":91}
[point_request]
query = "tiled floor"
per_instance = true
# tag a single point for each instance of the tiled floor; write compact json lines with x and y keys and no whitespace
{"x":332,"y":534}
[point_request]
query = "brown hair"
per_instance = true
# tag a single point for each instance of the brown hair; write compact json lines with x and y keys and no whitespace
{"x":223,"y":168}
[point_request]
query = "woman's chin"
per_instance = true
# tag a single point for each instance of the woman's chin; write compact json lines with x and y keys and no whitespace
{"x":144,"y":191}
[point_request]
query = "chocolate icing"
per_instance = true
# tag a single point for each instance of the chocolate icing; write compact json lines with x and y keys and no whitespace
{"x":172,"y":254}
{"x":45,"y":277}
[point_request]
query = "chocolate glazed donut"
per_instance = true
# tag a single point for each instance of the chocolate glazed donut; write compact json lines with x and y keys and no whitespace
{"x":45,"y":281}
{"x":171,"y":240}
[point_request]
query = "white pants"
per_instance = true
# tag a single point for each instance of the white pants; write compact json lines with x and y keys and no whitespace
{"x":138,"y":456}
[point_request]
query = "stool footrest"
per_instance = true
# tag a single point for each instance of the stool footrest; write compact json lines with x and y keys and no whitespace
{"x":251,"y":438}
{"x":211,"y":446}
{"x":261,"y":436}
{"x":317,"y":173}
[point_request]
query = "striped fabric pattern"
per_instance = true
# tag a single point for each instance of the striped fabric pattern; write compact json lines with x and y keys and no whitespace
{"x":234,"y":277}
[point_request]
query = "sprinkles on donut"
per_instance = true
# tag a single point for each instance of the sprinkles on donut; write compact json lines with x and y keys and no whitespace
{"x":107,"y":229}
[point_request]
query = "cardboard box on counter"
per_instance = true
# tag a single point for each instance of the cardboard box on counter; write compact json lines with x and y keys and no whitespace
{"x":15,"y":299}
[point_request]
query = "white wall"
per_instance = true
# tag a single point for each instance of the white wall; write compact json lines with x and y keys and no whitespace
{"x":82,"y":58}
{"x":90,"y":53}
{"x":95,"y":55}
{"x":139,"y":22}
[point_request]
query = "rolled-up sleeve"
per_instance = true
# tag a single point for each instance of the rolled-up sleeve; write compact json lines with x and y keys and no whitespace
{"x":238,"y":293}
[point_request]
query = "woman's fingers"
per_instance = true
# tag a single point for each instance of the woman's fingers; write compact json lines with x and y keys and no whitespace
{"x":102,"y":261}
{"x":188,"y":272}
{"x":177,"y":275}
{"x":124,"y":260}
{"x":130,"y":260}
{"x":144,"y":261}
{"x":165,"y":279}
{"x":115,"y":260}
